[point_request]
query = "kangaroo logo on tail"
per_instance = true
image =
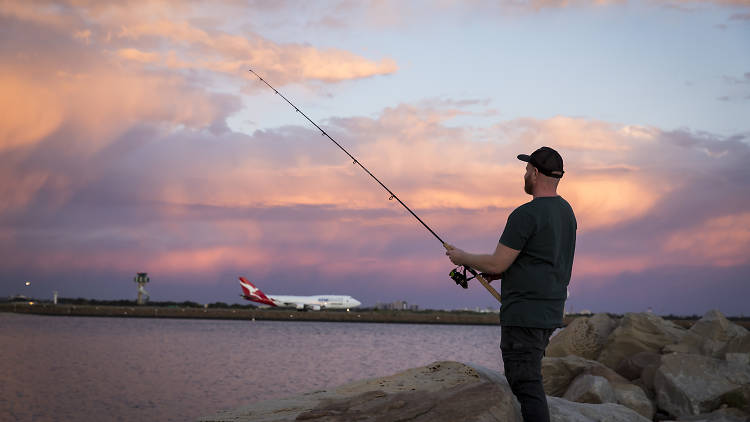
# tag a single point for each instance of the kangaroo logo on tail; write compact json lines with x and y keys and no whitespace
{"x":253,"y":293}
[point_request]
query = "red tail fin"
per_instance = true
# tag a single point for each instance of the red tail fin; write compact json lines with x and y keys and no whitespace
{"x":252,"y":293}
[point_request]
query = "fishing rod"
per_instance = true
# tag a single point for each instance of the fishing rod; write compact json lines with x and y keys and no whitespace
{"x":458,"y":274}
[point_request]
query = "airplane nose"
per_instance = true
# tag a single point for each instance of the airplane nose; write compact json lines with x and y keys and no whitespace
{"x":356,"y":303}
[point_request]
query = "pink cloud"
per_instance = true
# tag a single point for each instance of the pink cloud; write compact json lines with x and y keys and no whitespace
{"x":604,"y":200}
{"x":38,"y":105}
{"x":232,"y":211}
{"x":146,"y":35}
{"x":736,"y":3}
{"x":18,"y":190}
{"x":138,"y":56}
{"x":610,"y":182}
{"x":139,"y":66}
{"x":720,"y":241}
{"x":579,"y":135}
{"x":600,"y":268}
{"x":44,"y":13}
{"x":28,"y":111}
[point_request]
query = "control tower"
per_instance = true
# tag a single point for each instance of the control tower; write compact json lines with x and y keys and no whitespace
{"x":142,"y":279}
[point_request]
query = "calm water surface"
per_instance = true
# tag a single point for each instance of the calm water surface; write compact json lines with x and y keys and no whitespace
{"x":129,"y":369}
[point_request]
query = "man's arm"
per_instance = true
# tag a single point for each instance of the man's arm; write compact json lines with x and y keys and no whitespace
{"x":496,"y":263}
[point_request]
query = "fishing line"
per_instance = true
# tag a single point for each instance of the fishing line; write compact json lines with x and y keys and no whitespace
{"x":458,"y":275}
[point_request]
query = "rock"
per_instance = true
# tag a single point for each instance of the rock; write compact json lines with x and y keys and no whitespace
{"x":740,"y":344}
{"x":718,"y":332}
{"x":583,"y":337}
{"x":691,"y":343}
{"x":688,"y":384}
{"x":649,"y":391}
{"x":741,"y":358}
{"x":442,"y":391}
{"x":632,"y":367}
{"x":721,"y":415}
{"x":562,"y":410}
{"x":590,"y":389}
{"x":647,"y":379}
{"x":712,"y":336}
{"x":642,"y":332}
{"x":738,"y":399}
{"x":633,"y":397}
{"x":558,"y":373}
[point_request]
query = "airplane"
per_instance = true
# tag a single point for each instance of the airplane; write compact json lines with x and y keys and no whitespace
{"x":302,"y":303}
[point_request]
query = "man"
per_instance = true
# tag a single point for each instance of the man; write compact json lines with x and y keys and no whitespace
{"x":533,"y":258}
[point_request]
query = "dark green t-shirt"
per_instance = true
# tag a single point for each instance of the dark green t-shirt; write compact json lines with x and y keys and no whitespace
{"x":535,"y":286}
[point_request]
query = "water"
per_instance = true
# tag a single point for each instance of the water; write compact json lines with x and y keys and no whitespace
{"x":127,"y":369}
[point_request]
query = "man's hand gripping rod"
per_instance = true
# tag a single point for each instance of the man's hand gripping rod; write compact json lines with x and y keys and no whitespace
{"x":393,"y":195}
{"x":460,"y":278}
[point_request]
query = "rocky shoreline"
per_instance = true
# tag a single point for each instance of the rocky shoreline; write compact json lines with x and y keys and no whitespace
{"x":636,"y":368}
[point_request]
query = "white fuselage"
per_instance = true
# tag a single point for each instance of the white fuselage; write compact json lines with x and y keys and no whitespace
{"x":316,"y":302}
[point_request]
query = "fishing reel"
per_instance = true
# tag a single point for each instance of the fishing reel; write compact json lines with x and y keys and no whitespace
{"x":458,"y":275}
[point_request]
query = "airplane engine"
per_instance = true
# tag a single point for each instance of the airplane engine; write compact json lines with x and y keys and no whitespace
{"x":315,"y":307}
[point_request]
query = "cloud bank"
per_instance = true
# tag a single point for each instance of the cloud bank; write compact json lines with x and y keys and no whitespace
{"x":117,"y":158}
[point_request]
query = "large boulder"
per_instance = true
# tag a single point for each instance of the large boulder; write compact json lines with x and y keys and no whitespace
{"x":641,"y":332}
{"x":583,"y":337}
{"x":590,"y":389}
{"x":632,"y":367}
{"x":715,"y":327}
{"x":633,"y":397}
{"x":712,"y":336}
{"x":559,"y":373}
{"x":722,"y":415}
{"x":739,"y":344}
{"x":738,"y":399}
{"x":647,"y":379}
{"x":561,"y":410}
{"x":688,"y":384}
{"x":442,"y":391}
{"x":741,"y":358}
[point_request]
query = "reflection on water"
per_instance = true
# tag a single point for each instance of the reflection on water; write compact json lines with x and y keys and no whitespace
{"x":126,"y":369}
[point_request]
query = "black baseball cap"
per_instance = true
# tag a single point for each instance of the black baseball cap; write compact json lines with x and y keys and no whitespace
{"x":547,"y":160}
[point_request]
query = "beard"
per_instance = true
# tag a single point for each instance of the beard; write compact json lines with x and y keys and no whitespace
{"x":528,"y":187}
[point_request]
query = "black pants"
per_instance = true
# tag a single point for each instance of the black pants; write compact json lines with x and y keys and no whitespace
{"x":523,"y":349}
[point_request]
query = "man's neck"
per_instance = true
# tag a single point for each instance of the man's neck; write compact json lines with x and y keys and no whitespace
{"x":545,"y":193}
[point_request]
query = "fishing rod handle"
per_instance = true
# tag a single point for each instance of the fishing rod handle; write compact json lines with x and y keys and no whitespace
{"x":485,"y":283}
{"x":489,"y":288}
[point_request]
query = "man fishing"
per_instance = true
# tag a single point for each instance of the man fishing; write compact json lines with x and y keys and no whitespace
{"x":534,"y":258}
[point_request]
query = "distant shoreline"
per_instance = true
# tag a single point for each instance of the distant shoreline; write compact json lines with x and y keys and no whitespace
{"x":406,"y":317}
{"x":381,"y":316}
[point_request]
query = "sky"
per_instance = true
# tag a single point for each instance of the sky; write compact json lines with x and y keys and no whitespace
{"x":133,"y":138}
